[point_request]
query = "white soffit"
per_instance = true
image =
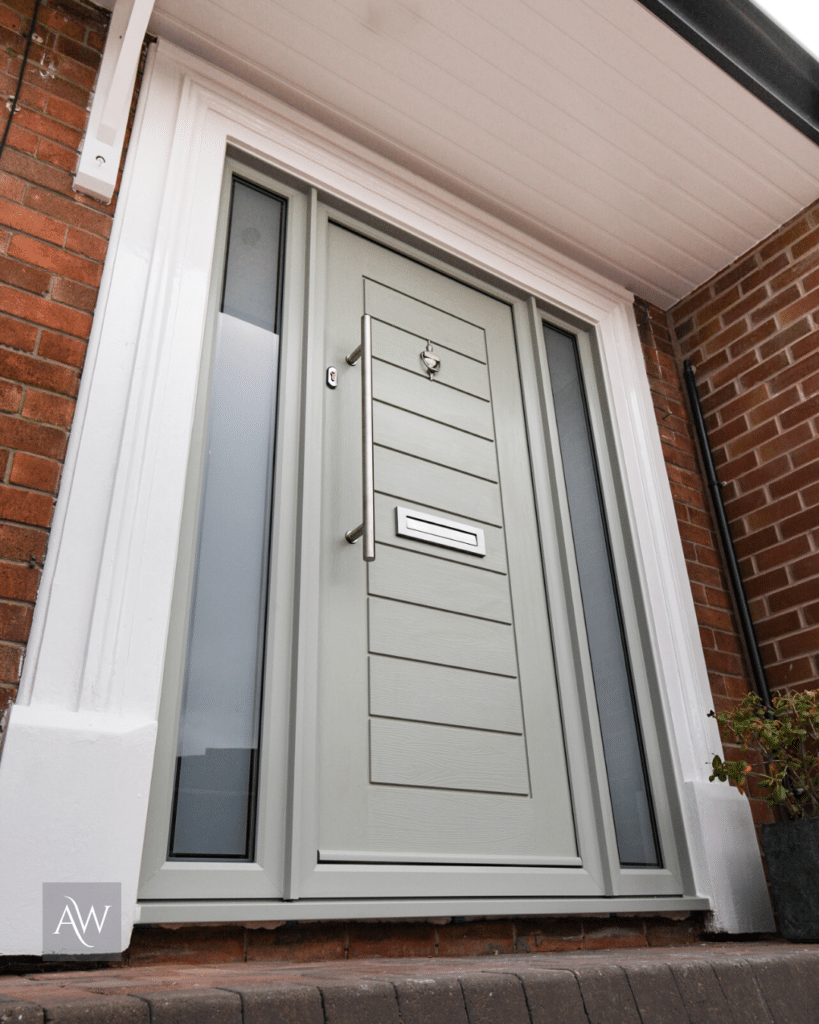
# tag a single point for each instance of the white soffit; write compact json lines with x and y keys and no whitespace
{"x":589,"y":125}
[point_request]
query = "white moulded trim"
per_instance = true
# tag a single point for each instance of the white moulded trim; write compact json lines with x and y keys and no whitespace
{"x":101,"y":622}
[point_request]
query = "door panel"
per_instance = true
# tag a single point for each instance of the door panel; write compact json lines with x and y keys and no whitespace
{"x":391,"y":304}
{"x":405,"y":753}
{"x":457,"y":371}
{"x":467,"y":590}
{"x":435,"y":442}
{"x":413,"y":392}
{"x":435,"y":693}
{"x":439,"y":736}
{"x":437,"y":486}
{"x":406,"y":630}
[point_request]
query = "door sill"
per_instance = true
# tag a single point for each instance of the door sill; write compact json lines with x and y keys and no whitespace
{"x":197,"y":911}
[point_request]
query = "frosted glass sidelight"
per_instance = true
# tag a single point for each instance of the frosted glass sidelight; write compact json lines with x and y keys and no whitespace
{"x":630,"y":798}
{"x":215,"y":786}
{"x":254,"y":242}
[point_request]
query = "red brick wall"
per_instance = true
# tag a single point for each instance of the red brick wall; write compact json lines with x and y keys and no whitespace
{"x":52,"y":246}
{"x":751,"y":335}
{"x":305,"y":941}
{"x":719,"y":631}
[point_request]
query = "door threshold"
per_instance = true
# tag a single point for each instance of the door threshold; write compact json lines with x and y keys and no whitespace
{"x":212,"y":911}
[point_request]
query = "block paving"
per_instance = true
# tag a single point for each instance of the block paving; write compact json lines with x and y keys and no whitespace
{"x":723,"y":983}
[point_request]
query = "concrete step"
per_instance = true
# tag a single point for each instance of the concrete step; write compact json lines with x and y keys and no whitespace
{"x":708,"y":983}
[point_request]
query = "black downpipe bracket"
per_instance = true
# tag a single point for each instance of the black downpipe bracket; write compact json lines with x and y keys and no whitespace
{"x":743,"y":611}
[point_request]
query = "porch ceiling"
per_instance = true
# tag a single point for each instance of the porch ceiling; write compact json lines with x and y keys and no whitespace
{"x":588,"y":124}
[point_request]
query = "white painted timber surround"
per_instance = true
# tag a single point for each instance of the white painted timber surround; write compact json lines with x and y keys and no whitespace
{"x":101,"y":151}
{"x":76,"y":768}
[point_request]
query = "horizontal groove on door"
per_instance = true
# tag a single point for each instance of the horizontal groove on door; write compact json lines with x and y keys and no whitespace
{"x":442,"y":638}
{"x":445,"y":757}
{"x":413,"y":577}
{"x":417,"y":481}
{"x":435,"y":442}
{"x":419,"y":318}
{"x":392,"y":345}
{"x":441,"y":694}
{"x":493,"y":561}
{"x":430,"y":399}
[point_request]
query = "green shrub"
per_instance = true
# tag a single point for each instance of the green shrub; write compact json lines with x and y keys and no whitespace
{"x":786,"y":738}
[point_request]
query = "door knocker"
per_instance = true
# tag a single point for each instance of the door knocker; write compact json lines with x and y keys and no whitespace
{"x":430,"y":360}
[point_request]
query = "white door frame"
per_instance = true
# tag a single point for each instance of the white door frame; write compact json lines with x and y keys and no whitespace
{"x":90,"y":692}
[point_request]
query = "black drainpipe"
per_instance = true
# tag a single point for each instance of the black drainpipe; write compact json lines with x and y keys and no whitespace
{"x":744,"y":612}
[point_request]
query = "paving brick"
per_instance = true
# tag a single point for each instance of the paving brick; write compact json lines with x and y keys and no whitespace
{"x":607,"y":996}
{"x":742,"y":993}
{"x":14,"y":1011}
{"x":790,"y":988}
{"x":701,"y":993}
{"x":359,"y":1001}
{"x":494,"y":998}
{"x":279,"y":1004}
{"x":430,"y":1001}
{"x":656,"y":994}
{"x":198,"y":1006}
{"x":552,"y":996}
{"x":97,"y":1010}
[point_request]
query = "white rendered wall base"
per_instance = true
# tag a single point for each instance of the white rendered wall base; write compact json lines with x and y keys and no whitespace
{"x":77,"y":763}
{"x":73,"y":800}
{"x":731,"y":854}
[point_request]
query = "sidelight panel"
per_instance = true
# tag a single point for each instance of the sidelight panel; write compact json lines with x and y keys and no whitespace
{"x":217,"y":757}
{"x":622,"y":744}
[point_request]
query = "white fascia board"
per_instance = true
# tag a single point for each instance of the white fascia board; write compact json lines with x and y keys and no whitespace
{"x":102,"y":616}
{"x":102,"y":146}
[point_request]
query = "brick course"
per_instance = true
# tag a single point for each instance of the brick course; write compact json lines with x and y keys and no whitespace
{"x":305,"y":941}
{"x":752,"y":335}
{"x":52,"y":245}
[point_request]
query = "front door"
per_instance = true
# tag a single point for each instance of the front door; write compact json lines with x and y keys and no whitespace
{"x":441,"y":762}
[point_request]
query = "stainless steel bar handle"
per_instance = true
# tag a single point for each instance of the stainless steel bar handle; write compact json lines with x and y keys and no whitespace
{"x":367,"y":528}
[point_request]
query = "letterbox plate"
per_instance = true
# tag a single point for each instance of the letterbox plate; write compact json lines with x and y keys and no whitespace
{"x":445,"y":532}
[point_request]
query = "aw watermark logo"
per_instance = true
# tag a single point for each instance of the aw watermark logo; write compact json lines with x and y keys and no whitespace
{"x":82,"y":920}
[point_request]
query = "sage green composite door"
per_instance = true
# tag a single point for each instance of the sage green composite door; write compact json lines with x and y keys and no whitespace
{"x":442,"y":766}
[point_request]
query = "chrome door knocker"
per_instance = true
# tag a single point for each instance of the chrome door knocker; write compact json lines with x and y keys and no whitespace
{"x":430,"y":360}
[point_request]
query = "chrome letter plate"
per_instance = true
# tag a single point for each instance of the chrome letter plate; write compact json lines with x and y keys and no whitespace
{"x":432,"y":530}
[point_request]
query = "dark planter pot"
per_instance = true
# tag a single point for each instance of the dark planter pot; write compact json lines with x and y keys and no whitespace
{"x":792,"y":852}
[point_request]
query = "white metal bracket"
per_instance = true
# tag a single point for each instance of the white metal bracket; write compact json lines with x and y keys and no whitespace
{"x":102,"y":147}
